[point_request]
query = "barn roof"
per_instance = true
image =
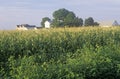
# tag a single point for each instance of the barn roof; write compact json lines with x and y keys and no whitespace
{"x":27,"y":25}
{"x":115,"y":23}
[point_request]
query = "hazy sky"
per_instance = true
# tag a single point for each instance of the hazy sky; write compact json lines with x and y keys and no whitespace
{"x":13,"y":12}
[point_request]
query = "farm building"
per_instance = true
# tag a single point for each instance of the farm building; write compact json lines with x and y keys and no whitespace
{"x":26,"y":27}
{"x":47,"y":24}
{"x":109,"y":23}
{"x":115,"y":23}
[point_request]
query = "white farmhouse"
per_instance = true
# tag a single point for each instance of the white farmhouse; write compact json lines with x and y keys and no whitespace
{"x":47,"y":24}
{"x":26,"y":27}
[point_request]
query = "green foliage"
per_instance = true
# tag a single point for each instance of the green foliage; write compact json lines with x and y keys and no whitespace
{"x":63,"y":17}
{"x":90,"y":22}
{"x":62,"y":53}
{"x":60,"y":14}
{"x":56,"y":23}
{"x":96,"y":24}
{"x":43,"y":21}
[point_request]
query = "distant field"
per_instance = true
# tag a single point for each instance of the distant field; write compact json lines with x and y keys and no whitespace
{"x":61,"y":53}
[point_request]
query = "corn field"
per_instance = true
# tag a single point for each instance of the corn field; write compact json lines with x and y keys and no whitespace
{"x":61,"y":53}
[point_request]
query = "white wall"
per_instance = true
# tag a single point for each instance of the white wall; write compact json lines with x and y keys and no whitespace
{"x":47,"y":24}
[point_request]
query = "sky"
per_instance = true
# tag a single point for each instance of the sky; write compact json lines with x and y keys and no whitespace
{"x":15,"y":12}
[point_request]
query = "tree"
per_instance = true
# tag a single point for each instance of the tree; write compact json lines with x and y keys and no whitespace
{"x":60,"y":14}
{"x":56,"y":23}
{"x":43,"y":21}
{"x":96,"y":24}
{"x":63,"y":17}
{"x":78,"y":21}
{"x":89,"y":21}
{"x":69,"y":19}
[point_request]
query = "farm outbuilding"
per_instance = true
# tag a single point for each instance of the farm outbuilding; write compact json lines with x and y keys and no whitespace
{"x":47,"y":24}
{"x":26,"y":27}
{"x":115,"y":23}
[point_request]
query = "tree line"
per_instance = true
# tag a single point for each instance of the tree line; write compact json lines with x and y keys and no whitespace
{"x":64,"y":17}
